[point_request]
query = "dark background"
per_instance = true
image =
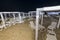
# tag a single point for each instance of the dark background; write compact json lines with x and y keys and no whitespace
{"x":25,"y":5}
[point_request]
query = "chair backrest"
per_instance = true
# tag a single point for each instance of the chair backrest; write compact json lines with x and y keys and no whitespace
{"x":54,"y":24}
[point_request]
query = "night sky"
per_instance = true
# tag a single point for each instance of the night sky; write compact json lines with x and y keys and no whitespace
{"x":25,"y":5}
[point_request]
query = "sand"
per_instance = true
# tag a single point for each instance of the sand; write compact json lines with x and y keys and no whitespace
{"x":17,"y":32}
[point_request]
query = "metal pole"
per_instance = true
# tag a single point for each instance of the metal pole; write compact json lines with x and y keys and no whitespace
{"x":2,"y":19}
{"x":23,"y":15}
{"x":19,"y":17}
{"x":37,"y":23}
{"x":5,"y":16}
{"x":58,"y":22}
{"x":14,"y":18}
{"x":29,"y":14}
{"x":41,"y":18}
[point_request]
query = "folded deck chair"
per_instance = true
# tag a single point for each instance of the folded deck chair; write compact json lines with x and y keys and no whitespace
{"x":34,"y":26}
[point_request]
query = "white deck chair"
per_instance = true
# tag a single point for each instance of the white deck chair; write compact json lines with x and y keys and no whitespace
{"x":52,"y":26}
{"x":8,"y":23}
{"x":30,"y":19}
{"x":34,"y":26}
{"x":17,"y":20}
{"x":1,"y":27}
{"x":51,"y":32}
{"x":51,"y":37}
{"x":12,"y":21}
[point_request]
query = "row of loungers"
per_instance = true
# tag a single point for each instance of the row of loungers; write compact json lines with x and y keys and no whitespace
{"x":7,"y":21}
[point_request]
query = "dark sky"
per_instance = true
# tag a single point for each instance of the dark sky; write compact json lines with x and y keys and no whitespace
{"x":25,"y":5}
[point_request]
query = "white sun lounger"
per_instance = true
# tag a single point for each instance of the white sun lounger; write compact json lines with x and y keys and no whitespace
{"x":52,"y":26}
{"x":8,"y":23}
{"x":51,"y":37}
{"x":51,"y":32}
{"x":33,"y":26}
{"x":17,"y":20}
{"x":1,"y":27}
